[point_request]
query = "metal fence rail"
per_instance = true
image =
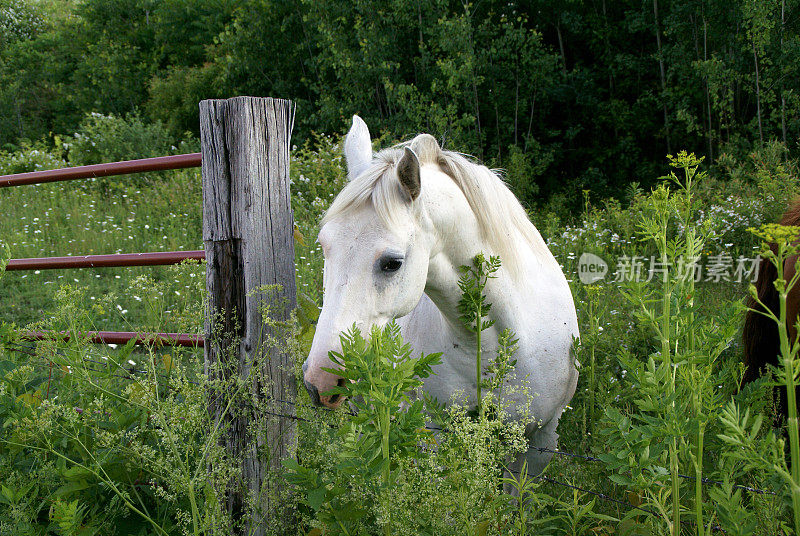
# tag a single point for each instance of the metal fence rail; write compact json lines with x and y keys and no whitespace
{"x":159,"y":163}
{"x":122,"y":337}
{"x":158,"y":258}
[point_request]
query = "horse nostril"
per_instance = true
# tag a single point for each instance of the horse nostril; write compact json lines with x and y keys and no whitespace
{"x":335,"y":398}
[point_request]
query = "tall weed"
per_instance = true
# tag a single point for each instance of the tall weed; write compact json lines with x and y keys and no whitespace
{"x":676,"y":391}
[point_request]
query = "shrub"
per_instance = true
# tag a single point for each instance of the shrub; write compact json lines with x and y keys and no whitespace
{"x":30,"y":157}
{"x":384,"y":472}
{"x":103,"y":440}
{"x":767,"y":175}
{"x":108,"y":138}
{"x":174,"y":95}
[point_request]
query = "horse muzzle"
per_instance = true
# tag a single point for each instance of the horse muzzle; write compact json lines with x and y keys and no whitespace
{"x":319,"y":381}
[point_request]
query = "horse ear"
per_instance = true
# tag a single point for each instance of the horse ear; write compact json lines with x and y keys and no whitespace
{"x":408,"y":173}
{"x":427,"y":148}
{"x":357,"y":148}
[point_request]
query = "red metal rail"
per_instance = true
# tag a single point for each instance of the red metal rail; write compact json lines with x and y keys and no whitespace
{"x":122,"y":337}
{"x":103,"y":170}
{"x":96,"y":261}
{"x":106,"y":261}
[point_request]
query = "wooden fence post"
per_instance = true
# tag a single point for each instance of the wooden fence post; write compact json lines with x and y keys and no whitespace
{"x":248,"y":236}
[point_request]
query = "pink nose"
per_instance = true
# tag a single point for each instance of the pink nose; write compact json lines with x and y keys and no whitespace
{"x":335,"y":400}
{"x":318,"y":382}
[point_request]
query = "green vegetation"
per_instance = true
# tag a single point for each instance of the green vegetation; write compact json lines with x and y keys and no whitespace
{"x":102,"y":441}
{"x":380,"y":373}
{"x":578,"y":101}
{"x":565,"y":95}
{"x":657,"y":401}
{"x":678,"y":393}
{"x":474,"y":308}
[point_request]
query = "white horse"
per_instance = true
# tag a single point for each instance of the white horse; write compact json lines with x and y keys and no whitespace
{"x":393,"y":241}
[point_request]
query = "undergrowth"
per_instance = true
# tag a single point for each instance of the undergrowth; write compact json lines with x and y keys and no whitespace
{"x":100,"y":440}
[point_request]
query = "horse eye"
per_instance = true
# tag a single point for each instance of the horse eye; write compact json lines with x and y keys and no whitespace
{"x":391,"y":265}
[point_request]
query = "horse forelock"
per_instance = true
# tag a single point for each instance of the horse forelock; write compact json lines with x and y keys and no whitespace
{"x":496,"y":209}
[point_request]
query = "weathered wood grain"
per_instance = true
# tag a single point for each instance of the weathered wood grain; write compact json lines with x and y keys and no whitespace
{"x":248,"y":236}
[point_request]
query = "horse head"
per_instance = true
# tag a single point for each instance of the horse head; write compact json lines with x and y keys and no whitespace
{"x":376,"y":250}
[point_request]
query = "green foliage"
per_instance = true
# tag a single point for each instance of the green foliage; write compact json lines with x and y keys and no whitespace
{"x":175,"y":94}
{"x":29,"y":158}
{"x":474,"y":308}
{"x":18,"y":21}
{"x":69,"y":518}
{"x":104,"y":435}
{"x":106,"y":138}
{"x":117,"y":440}
{"x":767,"y":175}
{"x":779,"y":243}
{"x":587,"y":346}
{"x":472,"y":305}
{"x":317,"y":173}
{"x":730,"y":509}
{"x":381,"y":470}
{"x":378,"y":377}
{"x":566,"y":96}
{"x":498,"y":370}
{"x":5,"y":255}
{"x":379,"y":374}
{"x":676,"y":390}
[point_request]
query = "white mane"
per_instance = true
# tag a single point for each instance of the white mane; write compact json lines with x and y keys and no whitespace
{"x":497,"y":210}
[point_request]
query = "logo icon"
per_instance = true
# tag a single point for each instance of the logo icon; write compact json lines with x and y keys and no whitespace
{"x":591,"y":268}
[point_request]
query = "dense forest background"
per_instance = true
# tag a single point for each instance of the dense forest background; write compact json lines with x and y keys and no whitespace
{"x":566,"y":95}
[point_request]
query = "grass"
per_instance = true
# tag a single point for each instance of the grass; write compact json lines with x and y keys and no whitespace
{"x":163,"y":212}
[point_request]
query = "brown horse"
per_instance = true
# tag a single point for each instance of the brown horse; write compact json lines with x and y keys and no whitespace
{"x":760,"y":334}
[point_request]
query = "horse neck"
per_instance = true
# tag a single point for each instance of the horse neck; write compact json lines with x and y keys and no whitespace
{"x":450,"y":223}
{"x":508,"y":294}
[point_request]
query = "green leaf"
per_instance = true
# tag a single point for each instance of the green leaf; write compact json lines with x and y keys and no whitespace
{"x":316,"y":497}
{"x":71,"y":487}
{"x":620,"y":479}
{"x":291,"y":464}
{"x":76,"y":473}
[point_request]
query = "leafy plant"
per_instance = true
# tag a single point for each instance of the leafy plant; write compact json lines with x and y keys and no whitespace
{"x":474,"y":308}
{"x":379,"y":373}
{"x":675,"y":393}
{"x":5,"y":256}
{"x":742,"y":432}
{"x":70,"y":517}
{"x":104,"y":433}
